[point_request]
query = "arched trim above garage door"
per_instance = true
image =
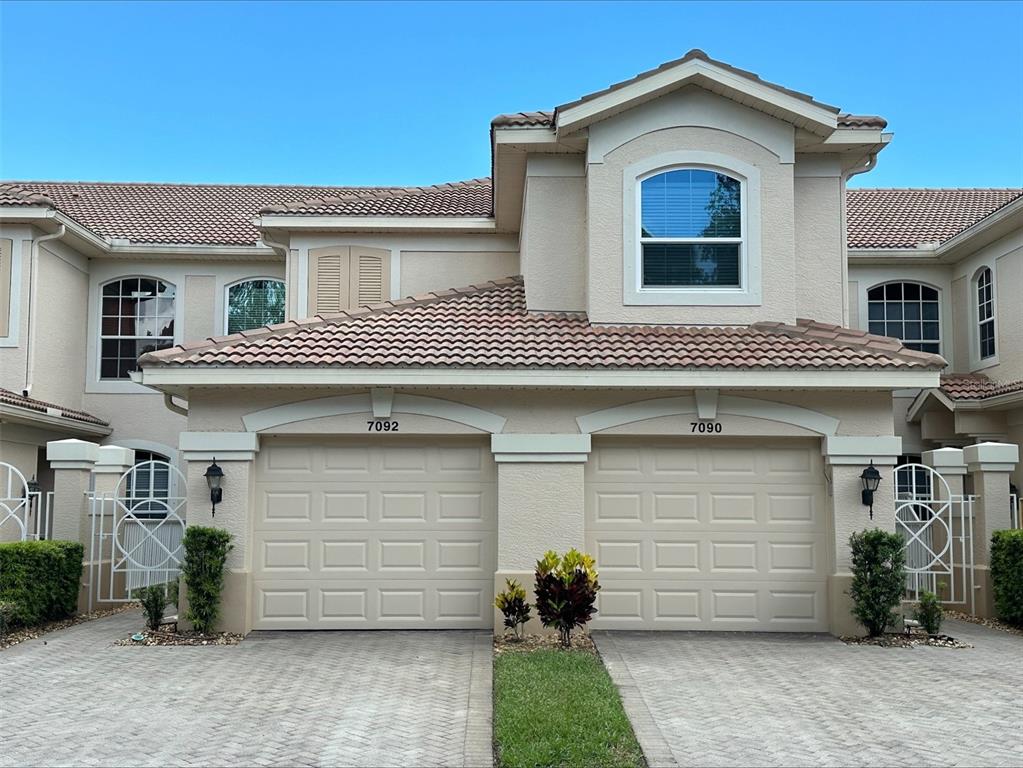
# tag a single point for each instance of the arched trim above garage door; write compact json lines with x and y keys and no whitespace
{"x":729,"y":405}
{"x":343,"y":405}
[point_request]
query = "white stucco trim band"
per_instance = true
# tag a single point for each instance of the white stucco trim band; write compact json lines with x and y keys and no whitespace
{"x":378,"y":223}
{"x":222,"y":446}
{"x":540,"y":448}
{"x":730,"y":405}
{"x":882,"y":450}
{"x":170,"y":377}
{"x":342,"y":405}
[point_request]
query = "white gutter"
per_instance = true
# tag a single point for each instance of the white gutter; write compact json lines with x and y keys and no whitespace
{"x":33,"y":290}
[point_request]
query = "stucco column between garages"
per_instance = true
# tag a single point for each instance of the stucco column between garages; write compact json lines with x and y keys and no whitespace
{"x":990,"y":465}
{"x":235,"y":453}
{"x":846,"y":458}
{"x":540,"y":505}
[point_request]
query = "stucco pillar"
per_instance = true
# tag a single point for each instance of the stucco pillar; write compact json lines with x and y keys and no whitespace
{"x":540,"y":505}
{"x":949,"y":463}
{"x":235,"y":453}
{"x":846,"y":457}
{"x":990,"y":465}
{"x":72,"y":462}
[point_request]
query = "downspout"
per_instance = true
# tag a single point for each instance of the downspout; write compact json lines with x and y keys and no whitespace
{"x":33,"y":290}
{"x":168,"y":401}
{"x":284,"y":249}
{"x":868,"y":166}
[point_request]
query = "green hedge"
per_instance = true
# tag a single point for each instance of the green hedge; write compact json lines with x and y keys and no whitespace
{"x":1007,"y":575}
{"x":39,"y":581}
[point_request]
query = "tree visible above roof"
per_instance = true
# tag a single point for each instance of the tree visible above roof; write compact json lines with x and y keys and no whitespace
{"x":905,"y":218}
{"x":488,"y":327}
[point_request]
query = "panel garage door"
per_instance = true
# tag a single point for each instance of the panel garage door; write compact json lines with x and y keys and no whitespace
{"x":386,"y":533}
{"x":708,"y":534}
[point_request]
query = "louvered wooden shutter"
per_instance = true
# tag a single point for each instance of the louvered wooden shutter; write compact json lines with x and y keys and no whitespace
{"x":371,"y":276}
{"x":329,"y":279}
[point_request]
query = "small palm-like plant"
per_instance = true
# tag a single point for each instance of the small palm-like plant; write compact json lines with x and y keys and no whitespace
{"x":566,"y":591}
{"x":929,"y":613}
{"x":512,"y":603}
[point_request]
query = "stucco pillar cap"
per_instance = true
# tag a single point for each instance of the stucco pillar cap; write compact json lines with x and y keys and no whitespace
{"x":991,"y":457}
{"x":947,"y":461}
{"x":540,"y":448}
{"x":71,"y":454}
{"x":222,"y":446}
{"x":114,"y":459}
{"x":883,"y":450}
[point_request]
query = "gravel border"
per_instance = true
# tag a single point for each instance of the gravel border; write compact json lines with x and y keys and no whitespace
{"x":9,"y":639}
{"x":894,"y":640}
{"x":1001,"y":626}
{"x":169,"y":637}
{"x":581,"y":641}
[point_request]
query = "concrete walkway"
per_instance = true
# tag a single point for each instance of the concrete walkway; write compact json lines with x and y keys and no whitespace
{"x":295,"y":698}
{"x":743,"y":699}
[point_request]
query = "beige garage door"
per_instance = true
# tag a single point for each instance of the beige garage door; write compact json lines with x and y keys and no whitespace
{"x":394,"y":532}
{"x":708,"y":534}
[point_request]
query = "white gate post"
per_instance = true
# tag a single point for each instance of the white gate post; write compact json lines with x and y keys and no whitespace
{"x":112,"y":462}
{"x":989,"y":465}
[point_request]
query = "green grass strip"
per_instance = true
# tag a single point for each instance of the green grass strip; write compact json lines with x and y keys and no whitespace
{"x":560,"y":709}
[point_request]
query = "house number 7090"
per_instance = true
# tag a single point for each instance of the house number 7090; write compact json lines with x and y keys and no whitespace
{"x":705,"y":427}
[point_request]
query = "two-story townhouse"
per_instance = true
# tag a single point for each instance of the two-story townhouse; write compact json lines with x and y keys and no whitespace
{"x":628,"y":371}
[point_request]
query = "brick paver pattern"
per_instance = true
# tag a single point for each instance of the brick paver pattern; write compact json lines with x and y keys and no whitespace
{"x":307,"y":698}
{"x":738,"y":699}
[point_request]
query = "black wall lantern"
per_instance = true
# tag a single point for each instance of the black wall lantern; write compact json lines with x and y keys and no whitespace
{"x":214,"y":475}
{"x":870,"y":478}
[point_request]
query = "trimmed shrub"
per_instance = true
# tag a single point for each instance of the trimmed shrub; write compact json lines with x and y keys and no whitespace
{"x":512,"y":603}
{"x":1007,"y":575}
{"x":566,"y":591}
{"x":39,"y":581}
{"x":929,"y":613}
{"x":206,"y":552}
{"x":879,"y":578}
{"x":154,"y":599}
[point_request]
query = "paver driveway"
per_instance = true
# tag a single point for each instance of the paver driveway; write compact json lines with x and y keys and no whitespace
{"x":743,"y":699}
{"x":310,"y":698}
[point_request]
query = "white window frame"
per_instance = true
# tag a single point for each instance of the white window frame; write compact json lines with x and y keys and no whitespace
{"x":115,"y":385}
{"x":940,"y":341}
{"x":977,"y":323}
{"x":227,"y":296}
{"x":749,"y":292}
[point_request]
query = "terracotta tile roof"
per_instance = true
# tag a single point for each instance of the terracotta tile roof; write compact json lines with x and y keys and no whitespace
{"x":13,"y":194}
{"x":904,"y":218}
{"x":488,"y":327}
{"x":461,"y":198}
{"x":977,"y":386}
{"x":7,"y":397}
{"x":200,"y":214}
{"x":546,"y":119}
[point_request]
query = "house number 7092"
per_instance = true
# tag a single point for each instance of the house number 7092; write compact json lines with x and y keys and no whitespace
{"x":381,"y":426}
{"x":705,"y":427}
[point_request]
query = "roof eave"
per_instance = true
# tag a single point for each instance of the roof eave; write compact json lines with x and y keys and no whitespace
{"x":812,"y":116}
{"x":33,"y":418}
{"x":319,"y":222}
{"x":992,"y":227}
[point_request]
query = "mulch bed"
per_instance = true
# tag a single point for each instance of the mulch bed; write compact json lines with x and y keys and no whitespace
{"x":509,"y":643}
{"x":989,"y":623}
{"x":903,"y":640}
{"x":31,"y":633}
{"x":170,"y":637}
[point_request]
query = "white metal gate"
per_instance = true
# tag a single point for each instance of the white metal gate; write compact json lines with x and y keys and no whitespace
{"x":24,"y":510}
{"x":937,"y":527}
{"x":137,"y":532}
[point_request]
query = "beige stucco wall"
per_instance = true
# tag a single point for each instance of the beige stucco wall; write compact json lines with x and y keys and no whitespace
{"x":819,"y":252}
{"x":605,"y":209}
{"x":553,"y":236}
{"x":424,"y":271}
{"x":200,"y":298}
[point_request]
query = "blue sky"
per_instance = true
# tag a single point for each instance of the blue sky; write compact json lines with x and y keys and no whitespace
{"x":395,"y":93}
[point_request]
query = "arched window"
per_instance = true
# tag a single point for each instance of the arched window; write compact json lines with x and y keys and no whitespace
{"x":906,"y":311}
{"x":691,"y":229}
{"x":254,"y":303}
{"x":985,"y":314}
{"x":138,"y":317}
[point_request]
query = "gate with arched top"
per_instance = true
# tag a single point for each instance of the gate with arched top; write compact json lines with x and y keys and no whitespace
{"x":24,"y":510}
{"x":137,"y":532}
{"x":937,"y":527}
